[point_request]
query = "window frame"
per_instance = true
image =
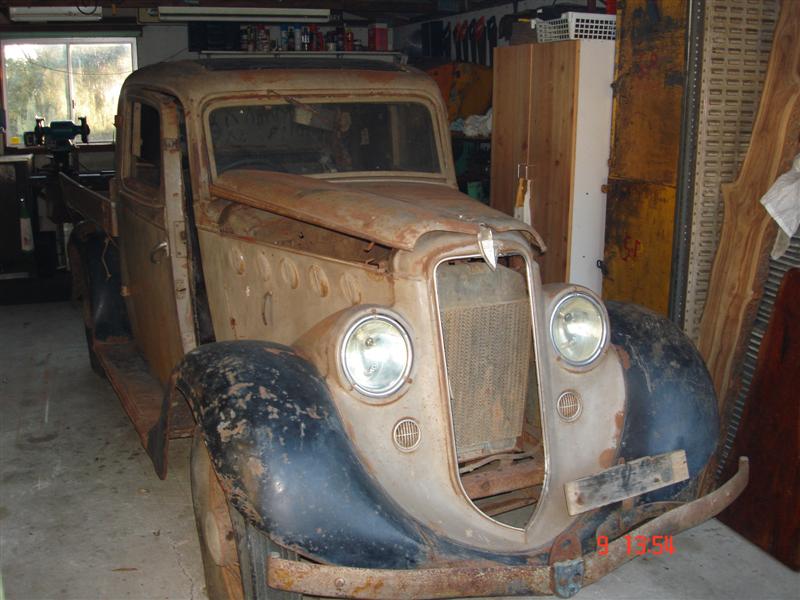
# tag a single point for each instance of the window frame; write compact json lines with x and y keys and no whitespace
{"x":67,"y":41}
{"x":141,"y":190}
{"x":314,"y":96}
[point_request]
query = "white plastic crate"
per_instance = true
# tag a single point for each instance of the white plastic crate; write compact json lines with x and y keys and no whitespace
{"x":577,"y":26}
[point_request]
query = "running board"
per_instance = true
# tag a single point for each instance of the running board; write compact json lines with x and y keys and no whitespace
{"x":140,"y":392}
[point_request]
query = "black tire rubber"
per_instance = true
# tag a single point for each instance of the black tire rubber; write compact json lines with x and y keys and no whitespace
{"x":255,"y":550}
{"x":81,"y":292}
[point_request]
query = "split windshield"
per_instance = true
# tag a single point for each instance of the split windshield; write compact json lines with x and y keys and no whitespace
{"x":306,"y":138}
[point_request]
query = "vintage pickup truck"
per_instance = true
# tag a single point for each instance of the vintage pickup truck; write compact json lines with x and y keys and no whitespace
{"x":386,"y":401}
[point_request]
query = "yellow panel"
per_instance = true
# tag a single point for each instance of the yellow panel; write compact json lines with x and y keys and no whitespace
{"x":651,"y":40}
{"x":638,"y":251}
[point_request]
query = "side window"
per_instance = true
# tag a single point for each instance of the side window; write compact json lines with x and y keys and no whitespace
{"x":145,"y":161}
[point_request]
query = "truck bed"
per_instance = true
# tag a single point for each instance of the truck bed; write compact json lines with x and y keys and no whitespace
{"x":95,"y":206}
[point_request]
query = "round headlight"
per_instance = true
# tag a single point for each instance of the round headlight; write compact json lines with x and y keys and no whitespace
{"x":376,"y":355}
{"x":578,"y":329}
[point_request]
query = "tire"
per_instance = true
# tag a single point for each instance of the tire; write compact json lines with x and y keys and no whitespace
{"x":235,"y":553}
{"x":81,"y":291}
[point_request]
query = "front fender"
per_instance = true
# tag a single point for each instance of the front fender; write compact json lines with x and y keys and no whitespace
{"x":286,"y":462}
{"x":671,"y":400}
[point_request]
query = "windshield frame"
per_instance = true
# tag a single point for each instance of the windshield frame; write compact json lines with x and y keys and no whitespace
{"x":282,"y":97}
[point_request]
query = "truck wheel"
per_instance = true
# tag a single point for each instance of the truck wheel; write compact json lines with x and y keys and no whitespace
{"x":83,"y":293}
{"x":235,"y":553}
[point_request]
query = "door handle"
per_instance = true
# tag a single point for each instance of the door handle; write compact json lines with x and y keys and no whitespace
{"x":158,"y":252}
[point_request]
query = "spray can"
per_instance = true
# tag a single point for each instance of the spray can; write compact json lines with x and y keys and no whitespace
{"x":25,"y":228}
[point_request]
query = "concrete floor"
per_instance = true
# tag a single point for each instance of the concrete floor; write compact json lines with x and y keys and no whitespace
{"x":83,"y":516}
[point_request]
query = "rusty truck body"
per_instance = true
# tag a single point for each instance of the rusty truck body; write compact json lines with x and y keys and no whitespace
{"x":386,"y":401}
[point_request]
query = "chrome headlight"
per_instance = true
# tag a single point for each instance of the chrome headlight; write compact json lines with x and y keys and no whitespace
{"x":376,"y":355}
{"x":578,"y":328}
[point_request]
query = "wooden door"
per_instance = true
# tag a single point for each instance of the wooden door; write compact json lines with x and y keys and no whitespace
{"x":533,"y":136}
{"x":147,"y":181}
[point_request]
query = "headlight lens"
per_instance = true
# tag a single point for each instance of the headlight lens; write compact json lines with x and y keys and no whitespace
{"x":376,"y":355}
{"x":578,"y":329}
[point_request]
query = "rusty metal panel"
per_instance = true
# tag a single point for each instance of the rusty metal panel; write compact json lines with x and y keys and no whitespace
{"x":408,"y":211}
{"x":648,"y":90}
{"x":638,"y":252}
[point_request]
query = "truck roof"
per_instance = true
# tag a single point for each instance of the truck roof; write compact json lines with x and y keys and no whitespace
{"x":193,"y":80}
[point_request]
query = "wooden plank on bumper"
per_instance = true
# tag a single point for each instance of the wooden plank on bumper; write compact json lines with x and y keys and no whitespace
{"x":625,"y":481}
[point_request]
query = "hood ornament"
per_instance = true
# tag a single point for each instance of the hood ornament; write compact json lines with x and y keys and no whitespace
{"x":487,"y":246}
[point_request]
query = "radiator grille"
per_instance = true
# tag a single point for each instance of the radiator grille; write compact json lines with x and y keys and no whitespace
{"x":486,"y":325}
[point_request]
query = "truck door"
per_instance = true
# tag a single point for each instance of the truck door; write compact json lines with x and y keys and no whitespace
{"x":152,"y":231}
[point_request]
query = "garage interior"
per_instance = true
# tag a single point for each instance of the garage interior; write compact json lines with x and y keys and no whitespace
{"x":654,"y":145}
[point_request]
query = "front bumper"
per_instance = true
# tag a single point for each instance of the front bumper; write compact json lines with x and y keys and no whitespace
{"x":563,"y":579}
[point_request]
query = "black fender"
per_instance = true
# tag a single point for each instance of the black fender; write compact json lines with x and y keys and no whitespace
{"x":99,"y":265}
{"x":671,"y":404}
{"x":287,"y":465}
{"x":286,"y":462}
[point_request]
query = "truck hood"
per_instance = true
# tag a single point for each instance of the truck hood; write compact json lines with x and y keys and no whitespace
{"x":388,"y":213}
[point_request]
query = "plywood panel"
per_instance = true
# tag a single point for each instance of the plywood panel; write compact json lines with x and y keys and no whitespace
{"x":511,"y":121}
{"x":554,"y":108}
{"x":535,"y":113}
{"x":639,"y":227}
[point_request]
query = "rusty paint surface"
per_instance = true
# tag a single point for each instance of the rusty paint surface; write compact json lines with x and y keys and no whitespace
{"x":638,"y":249}
{"x":470,"y":581}
{"x":392,"y":214}
{"x":466,"y":582}
{"x":648,"y":90}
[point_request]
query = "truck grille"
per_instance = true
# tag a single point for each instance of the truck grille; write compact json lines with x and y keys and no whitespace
{"x":486,"y":323}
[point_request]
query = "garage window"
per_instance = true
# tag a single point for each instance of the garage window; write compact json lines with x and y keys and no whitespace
{"x":63,"y":79}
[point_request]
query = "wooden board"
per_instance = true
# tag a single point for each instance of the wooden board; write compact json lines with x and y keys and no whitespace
{"x":638,"y":250}
{"x":94,"y":206}
{"x":748,"y":231}
{"x":768,"y":511}
{"x":626,"y":481}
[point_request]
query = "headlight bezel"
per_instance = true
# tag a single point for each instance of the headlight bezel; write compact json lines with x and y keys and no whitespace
{"x":402,"y":380}
{"x":558,"y":302}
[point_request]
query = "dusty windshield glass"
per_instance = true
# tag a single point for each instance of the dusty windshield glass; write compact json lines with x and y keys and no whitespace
{"x":304,"y":138}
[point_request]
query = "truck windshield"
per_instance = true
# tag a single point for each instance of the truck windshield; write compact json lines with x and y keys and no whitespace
{"x":308,"y":138}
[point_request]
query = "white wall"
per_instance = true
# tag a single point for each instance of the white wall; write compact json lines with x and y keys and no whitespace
{"x":163,"y":42}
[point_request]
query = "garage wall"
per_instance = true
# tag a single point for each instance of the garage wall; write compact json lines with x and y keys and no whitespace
{"x":163,"y":42}
{"x":401,"y":34}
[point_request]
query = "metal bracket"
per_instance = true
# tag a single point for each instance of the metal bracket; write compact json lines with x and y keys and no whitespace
{"x":568,"y":577}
